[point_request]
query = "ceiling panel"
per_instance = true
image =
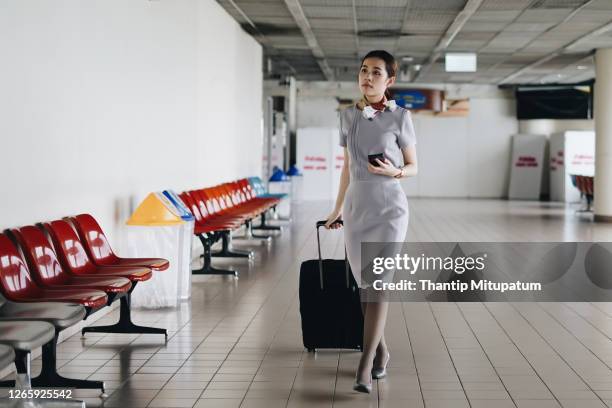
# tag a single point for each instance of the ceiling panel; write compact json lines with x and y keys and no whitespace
{"x":435,"y":5}
{"x":467,"y":45}
{"x":528,"y":27}
{"x":379,"y":13}
{"x":382,"y":3}
{"x":507,"y":35}
{"x":328,"y":12}
{"x":600,"y":5}
{"x":389,"y":25}
{"x":505,"y":5}
{"x":544,"y":15}
{"x":332,"y":24}
{"x":481,"y":26}
{"x":498,"y":16}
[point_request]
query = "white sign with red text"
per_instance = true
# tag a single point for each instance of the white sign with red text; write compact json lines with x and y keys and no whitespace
{"x":527,"y":166}
{"x":571,"y":153}
{"x":317,"y":158}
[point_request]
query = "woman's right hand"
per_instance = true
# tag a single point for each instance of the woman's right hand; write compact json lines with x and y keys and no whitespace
{"x":331,"y":223}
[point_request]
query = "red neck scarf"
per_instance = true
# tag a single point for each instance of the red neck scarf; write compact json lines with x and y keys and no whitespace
{"x":379,"y":105}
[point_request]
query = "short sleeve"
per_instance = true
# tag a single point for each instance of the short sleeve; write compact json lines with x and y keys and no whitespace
{"x":343,"y":128}
{"x":407,"y":136}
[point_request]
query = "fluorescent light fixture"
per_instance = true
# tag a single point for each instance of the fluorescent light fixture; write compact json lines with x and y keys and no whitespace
{"x":460,"y":62}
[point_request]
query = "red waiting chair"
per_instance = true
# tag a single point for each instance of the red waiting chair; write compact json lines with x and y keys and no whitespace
{"x":74,"y":259}
{"x":47,"y":271}
{"x":225,"y":208}
{"x":265,"y":203}
{"x":17,"y":284}
{"x":209,"y":232}
{"x":99,"y":250}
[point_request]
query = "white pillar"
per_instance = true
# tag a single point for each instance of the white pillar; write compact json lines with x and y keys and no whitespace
{"x":603,"y":135}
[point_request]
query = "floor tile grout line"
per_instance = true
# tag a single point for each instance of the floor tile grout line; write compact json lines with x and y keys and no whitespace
{"x":520,"y":351}
{"x":588,"y":322}
{"x":291,"y":266}
{"x":484,"y":351}
{"x":338,"y":241}
{"x":416,"y":369}
{"x":448,"y":351}
{"x":594,"y":304}
{"x":181,"y":366}
{"x":155,"y":353}
{"x":552,"y":347}
{"x":559,"y":354}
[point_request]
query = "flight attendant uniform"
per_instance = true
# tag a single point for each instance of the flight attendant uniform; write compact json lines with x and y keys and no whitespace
{"x":375,"y":207}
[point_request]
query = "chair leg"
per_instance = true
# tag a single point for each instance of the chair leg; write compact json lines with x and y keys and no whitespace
{"x":250,"y":235}
{"x":228,"y":252}
{"x":49,"y":377}
{"x":22,"y":362}
{"x":589,"y":202}
{"x":277,"y":217}
{"x":207,"y":268}
{"x":264,"y":226}
{"x":125,"y":324}
{"x":23,"y":378}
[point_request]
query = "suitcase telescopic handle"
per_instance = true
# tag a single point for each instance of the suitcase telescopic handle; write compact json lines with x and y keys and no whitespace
{"x":346,"y":264}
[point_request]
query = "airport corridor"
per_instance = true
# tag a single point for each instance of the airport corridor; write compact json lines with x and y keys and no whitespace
{"x":238,"y":342}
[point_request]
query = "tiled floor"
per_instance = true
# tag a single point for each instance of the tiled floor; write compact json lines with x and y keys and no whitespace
{"x":237,"y":343}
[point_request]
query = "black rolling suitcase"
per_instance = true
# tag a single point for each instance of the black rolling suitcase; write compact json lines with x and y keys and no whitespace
{"x":329,"y":304}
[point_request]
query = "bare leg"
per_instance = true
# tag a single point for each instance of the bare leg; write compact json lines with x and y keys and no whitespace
{"x":374,"y":320}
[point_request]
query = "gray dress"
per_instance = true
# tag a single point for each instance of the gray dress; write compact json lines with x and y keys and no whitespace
{"x":375,"y":206}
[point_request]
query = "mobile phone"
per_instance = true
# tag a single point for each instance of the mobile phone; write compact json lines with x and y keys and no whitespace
{"x":372,"y":159}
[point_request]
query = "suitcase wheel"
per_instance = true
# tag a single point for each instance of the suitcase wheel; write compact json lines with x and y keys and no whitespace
{"x":312,"y":350}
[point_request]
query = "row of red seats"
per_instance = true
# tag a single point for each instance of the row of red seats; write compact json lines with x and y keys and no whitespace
{"x":222,"y":209}
{"x":585,"y":185}
{"x":71,"y":261}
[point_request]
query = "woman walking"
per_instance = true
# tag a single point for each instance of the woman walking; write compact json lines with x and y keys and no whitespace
{"x":370,"y":199}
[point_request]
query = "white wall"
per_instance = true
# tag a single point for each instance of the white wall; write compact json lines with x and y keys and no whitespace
{"x":550,"y":126}
{"x":458,"y":156}
{"x":229,"y":110}
{"x":106,"y":99}
{"x":465,"y":156}
{"x":316,"y":111}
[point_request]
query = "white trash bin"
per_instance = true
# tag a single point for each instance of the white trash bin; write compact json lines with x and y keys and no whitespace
{"x":156,"y":229}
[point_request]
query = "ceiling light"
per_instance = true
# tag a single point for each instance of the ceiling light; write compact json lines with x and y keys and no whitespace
{"x":407,"y":59}
{"x":460,"y":62}
{"x":581,"y":67}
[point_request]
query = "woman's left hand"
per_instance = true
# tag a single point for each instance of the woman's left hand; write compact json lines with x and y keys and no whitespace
{"x":385,"y":168}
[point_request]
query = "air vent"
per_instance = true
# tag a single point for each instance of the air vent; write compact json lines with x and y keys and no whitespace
{"x":379,"y":33}
{"x":555,"y":4}
{"x":271,"y":29}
